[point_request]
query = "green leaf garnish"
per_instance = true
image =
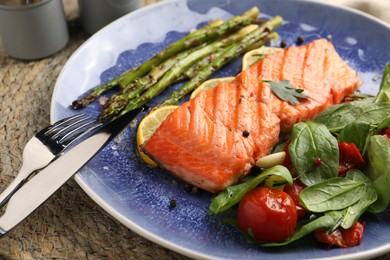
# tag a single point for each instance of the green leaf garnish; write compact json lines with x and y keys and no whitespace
{"x":284,"y":90}
{"x":233,"y":194}
{"x":384,"y":89}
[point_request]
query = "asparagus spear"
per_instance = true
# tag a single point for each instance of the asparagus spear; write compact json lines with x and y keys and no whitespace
{"x":118,"y":101}
{"x":254,"y":40}
{"x":205,"y":34}
{"x":184,"y":64}
{"x":95,"y":93}
{"x":194,"y":39}
{"x":117,"y":81}
{"x":193,"y":70}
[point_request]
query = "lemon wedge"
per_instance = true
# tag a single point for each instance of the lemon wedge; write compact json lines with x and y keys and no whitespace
{"x":253,"y":56}
{"x":148,"y":126}
{"x":211,"y":83}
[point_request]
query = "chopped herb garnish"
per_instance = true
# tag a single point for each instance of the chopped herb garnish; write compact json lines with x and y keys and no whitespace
{"x":259,"y":55}
{"x":357,"y":96}
{"x":242,"y":97}
{"x":286,"y":91}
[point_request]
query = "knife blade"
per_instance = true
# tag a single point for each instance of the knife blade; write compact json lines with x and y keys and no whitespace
{"x":46,"y":182}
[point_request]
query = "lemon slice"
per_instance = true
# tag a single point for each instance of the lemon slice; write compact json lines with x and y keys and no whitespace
{"x":211,"y":83}
{"x":148,"y":126}
{"x":253,"y":56}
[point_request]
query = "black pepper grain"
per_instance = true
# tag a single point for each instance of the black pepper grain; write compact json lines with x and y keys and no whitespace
{"x":283,"y":44}
{"x":172,"y":203}
{"x":300,"y":39}
{"x":245,"y":133}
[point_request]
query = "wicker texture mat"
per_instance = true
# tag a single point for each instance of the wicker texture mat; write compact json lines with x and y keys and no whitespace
{"x":69,"y":225}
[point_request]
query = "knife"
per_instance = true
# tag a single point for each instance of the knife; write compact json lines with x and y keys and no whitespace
{"x":40,"y":187}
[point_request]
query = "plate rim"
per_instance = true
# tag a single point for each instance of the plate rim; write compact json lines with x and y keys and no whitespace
{"x":136,"y":228}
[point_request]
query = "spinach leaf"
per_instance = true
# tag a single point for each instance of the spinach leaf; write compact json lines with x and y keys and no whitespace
{"x":332,"y":194}
{"x":328,"y":220}
{"x":357,"y":133}
{"x":378,"y":170}
{"x":345,"y":217}
{"x":286,"y":91}
{"x":384,"y":90}
{"x":369,"y":196}
{"x":310,"y":141}
{"x":339,"y":116}
{"x":233,"y":194}
{"x":384,"y":123}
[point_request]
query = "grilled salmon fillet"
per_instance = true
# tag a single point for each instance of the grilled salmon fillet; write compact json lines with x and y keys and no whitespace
{"x":213,"y":140}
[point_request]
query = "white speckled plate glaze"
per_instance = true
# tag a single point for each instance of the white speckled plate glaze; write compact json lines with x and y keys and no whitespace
{"x":139,"y":196}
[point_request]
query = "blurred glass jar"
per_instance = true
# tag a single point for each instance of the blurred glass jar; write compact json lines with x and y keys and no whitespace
{"x":34,"y":30}
{"x":95,"y":14}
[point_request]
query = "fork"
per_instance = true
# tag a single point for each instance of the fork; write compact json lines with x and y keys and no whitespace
{"x":47,"y":145}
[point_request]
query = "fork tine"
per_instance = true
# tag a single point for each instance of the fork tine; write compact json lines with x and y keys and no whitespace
{"x":68,"y":127}
{"x":74,"y":135}
{"x":74,"y":130}
{"x":60,"y":123}
{"x":64,"y":132}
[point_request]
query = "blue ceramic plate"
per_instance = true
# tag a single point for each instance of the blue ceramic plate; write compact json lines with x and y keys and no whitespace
{"x":139,"y":196}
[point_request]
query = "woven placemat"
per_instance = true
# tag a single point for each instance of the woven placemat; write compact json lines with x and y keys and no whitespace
{"x":69,"y":225}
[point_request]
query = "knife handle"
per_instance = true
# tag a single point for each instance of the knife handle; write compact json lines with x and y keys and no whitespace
{"x":46,"y":182}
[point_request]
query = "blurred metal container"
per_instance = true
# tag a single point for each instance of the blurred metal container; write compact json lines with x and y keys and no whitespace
{"x":33,"y":31}
{"x":95,"y":14}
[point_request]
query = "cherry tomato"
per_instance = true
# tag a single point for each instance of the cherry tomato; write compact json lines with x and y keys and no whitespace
{"x":386,"y":133}
{"x":350,"y":158}
{"x":267,"y":214}
{"x":342,"y":237}
{"x":294,"y":190}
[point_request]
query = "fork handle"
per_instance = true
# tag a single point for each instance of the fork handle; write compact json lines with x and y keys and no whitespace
{"x":29,"y":166}
{"x":19,"y":180}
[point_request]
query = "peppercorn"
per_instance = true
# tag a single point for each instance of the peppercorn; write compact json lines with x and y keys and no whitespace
{"x":300,"y":39}
{"x":172,"y":203}
{"x":283,"y":44}
{"x":245,"y":133}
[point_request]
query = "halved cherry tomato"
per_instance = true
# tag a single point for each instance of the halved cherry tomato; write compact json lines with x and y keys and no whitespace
{"x":342,"y":237}
{"x":350,"y":158}
{"x":386,"y":133}
{"x":294,"y":190}
{"x":267,"y":214}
